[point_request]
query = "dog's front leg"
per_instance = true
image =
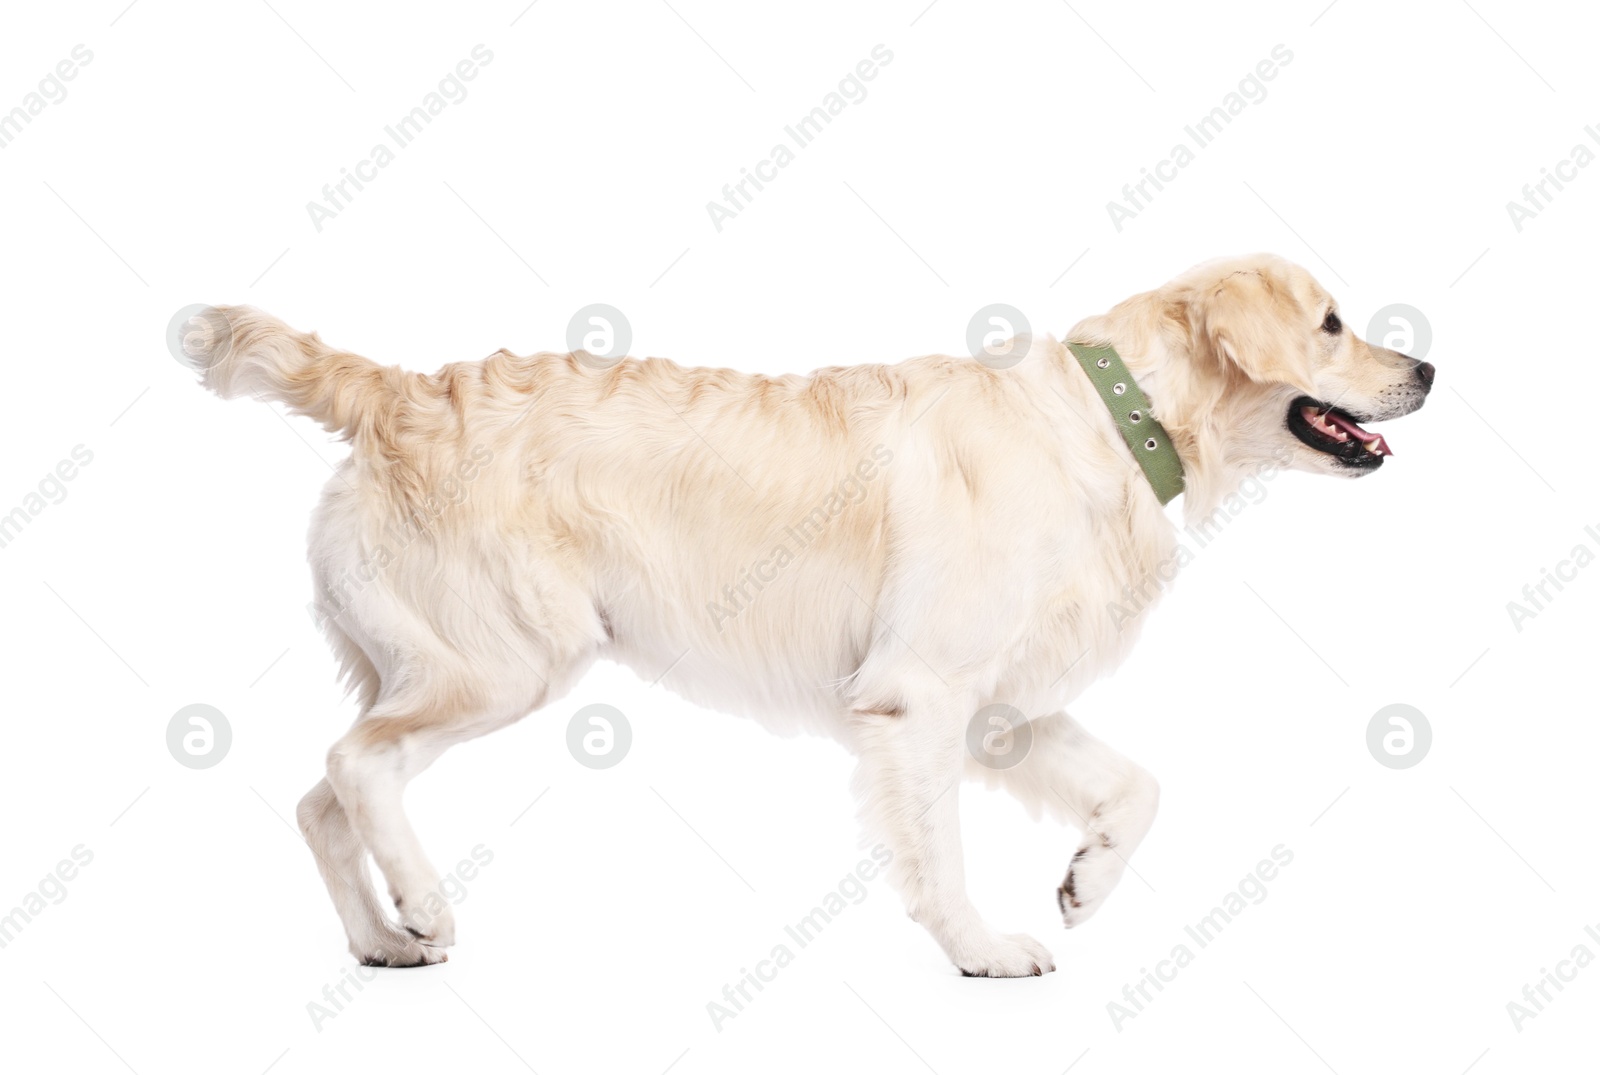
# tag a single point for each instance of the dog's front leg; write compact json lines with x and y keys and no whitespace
{"x":911,"y":757}
{"x":1073,"y":777}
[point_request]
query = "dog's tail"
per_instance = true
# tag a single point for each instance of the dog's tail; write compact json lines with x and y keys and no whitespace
{"x":238,"y":350}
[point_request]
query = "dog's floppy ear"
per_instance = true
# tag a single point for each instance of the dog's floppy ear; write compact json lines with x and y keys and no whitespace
{"x":1252,"y":322}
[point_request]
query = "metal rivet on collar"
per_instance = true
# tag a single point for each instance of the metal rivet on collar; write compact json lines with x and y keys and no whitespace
{"x":1140,"y":430}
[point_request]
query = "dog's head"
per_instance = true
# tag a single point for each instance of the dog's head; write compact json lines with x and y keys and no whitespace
{"x":1267,"y":342}
{"x":1249,"y":364}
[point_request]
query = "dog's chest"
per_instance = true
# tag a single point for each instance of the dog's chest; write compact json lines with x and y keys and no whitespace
{"x":1093,"y":602}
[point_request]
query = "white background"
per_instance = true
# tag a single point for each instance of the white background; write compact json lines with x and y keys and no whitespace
{"x":978,"y":168}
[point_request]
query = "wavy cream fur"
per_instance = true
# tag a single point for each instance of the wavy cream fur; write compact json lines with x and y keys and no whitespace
{"x":501,"y":524}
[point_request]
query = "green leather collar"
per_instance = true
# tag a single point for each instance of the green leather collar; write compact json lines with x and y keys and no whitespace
{"x":1130,"y":409}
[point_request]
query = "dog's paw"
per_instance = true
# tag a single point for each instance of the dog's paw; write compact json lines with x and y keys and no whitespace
{"x":427,"y":917}
{"x":1010,"y":955}
{"x":399,"y":950}
{"x":1094,"y":872}
{"x":437,"y":929}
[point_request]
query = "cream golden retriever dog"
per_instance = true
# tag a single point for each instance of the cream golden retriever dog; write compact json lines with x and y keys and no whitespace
{"x":873,"y":553}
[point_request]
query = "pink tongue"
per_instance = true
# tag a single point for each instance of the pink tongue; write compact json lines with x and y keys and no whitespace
{"x":1335,"y":419}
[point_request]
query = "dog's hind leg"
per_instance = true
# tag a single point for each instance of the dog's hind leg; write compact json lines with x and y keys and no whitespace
{"x":1076,"y":779}
{"x":439,"y":703}
{"x":342,"y":861}
{"x":368,"y":770}
{"x":908,"y":782}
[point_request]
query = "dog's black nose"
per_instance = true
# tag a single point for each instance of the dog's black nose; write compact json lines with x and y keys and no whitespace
{"x":1425,"y":373}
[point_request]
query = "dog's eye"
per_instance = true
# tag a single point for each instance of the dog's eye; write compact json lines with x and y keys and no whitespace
{"x":1331,"y":324}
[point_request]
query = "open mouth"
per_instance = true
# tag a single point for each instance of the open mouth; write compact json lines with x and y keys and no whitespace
{"x":1333,"y":432}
